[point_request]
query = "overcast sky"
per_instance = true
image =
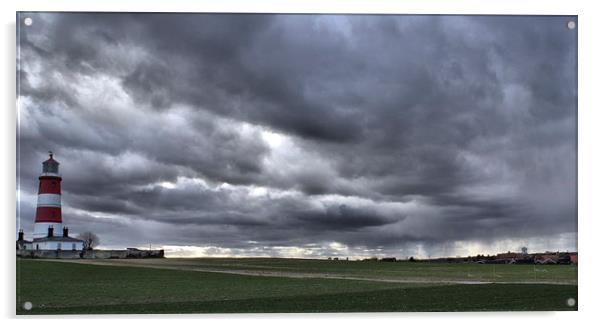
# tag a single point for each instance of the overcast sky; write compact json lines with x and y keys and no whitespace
{"x":304,"y":135}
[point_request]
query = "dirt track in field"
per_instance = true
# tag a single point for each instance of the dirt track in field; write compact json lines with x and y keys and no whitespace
{"x":174,"y":264}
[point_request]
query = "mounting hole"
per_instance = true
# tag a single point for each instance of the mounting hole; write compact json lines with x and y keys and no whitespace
{"x":571,"y":302}
{"x":27,"y":305}
{"x":28,"y":21}
{"x":571,"y":25}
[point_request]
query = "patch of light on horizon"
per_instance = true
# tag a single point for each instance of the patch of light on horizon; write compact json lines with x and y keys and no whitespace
{"x":560,"y":242}
{"x":416,"y":250}
{"x":173,"y":251}
{"x":189,"y":251}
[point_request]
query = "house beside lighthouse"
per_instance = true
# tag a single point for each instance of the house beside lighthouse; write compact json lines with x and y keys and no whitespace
{"x":49,"y":232}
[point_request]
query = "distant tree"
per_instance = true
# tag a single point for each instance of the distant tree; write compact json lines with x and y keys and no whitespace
{"x":411,"y":259}
{"x":90,"y":240}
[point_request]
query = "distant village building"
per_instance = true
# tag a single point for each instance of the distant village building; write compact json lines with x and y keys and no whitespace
{"x":538,"y":258}
{"x":556,"y":257}
{"x":49,"y":232}
{"x":573,"y":257}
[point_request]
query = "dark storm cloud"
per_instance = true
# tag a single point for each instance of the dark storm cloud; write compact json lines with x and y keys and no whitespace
{"x":342,"y":218}
{"x":390,"y":130}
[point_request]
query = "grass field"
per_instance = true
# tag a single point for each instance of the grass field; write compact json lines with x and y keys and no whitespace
{"x":402,"y":271}
{"x":286,"y":285}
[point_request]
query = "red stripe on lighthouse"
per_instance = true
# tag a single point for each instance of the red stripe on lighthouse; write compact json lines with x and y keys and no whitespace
{"x":50,"y":184}
{"x":48,"y":215}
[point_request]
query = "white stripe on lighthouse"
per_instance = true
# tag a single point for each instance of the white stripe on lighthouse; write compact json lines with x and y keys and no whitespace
{"x":49,"y":200}
{"x":51,"y":174}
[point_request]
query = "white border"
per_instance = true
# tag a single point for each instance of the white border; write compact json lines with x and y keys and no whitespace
{"x":590,"y":160}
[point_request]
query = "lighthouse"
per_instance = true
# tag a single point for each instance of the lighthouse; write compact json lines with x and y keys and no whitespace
{"x":48,"y":211}
{"x":48,"y":231}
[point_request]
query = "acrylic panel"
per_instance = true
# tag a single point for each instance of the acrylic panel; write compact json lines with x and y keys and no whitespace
{"x":278,"y":163}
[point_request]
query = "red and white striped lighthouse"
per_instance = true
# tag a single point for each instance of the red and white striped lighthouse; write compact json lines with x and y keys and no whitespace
{"x":48,"y":212}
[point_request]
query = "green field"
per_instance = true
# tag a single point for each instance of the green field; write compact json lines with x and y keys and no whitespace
{"x":403,"y":271}
{"x":287,"y":285}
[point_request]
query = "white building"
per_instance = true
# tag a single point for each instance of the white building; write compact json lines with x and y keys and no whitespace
{"x":52,"y":242}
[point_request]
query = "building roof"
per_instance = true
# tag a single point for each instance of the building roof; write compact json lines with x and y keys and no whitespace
{"x":51,"y":159}
{"x":57,"y":239}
